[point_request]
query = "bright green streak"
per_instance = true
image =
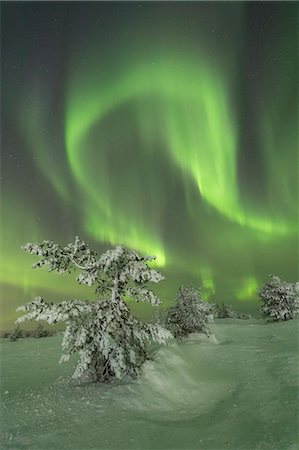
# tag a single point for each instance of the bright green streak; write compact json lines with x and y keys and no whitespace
{"x":38,"y":139}
{"x":185,"y":109}
{"x":207,"y":282}
{"x":248,"y":288}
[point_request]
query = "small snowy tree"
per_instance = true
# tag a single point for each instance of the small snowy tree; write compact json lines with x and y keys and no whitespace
{"x":280,"y":299}
{"x":244,"y":316}
{"x":189,"y":314}
{"x":224,"y":311}
{"x":110,"y":341}
{"x":41,"y":332}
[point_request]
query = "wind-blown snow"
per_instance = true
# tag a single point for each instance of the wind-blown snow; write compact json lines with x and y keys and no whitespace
{"x":237,"y":390}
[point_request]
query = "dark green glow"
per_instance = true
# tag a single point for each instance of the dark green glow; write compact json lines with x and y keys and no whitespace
{"x":16,"y":268}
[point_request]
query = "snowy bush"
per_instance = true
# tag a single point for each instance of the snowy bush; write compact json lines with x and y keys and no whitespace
{"x":189,"y":314}
{"x":280,"y":299}
{"x":244,"y":316}
{"x":110,"y":341}
{"x":224,"y":311}
{"x":41,"y":332}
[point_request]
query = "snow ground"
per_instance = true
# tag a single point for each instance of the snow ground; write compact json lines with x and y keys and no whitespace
{"x":237,"y":390}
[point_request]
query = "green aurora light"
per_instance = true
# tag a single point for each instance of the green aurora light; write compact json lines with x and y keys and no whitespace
{"x":145,"y":139}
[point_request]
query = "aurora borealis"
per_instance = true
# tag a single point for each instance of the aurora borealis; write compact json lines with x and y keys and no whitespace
{"x":170,"y":128}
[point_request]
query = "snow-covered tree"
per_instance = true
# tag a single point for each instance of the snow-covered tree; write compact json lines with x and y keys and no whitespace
{"x":111,"y":342}
{"x":224,"y":311}
{"x":244,"y":316}
{"x":280,"y":299}
{"x":41,"y":332}
{"x":189,"y":314}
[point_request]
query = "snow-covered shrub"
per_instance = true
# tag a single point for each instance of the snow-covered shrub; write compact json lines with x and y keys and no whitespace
{"x":244,"y":316}
{"x":280,"y":299}
{"x":110,"y":341}
{"x":224,"y":311}
{"x":189,"y":314}
{"x":41,"y":332}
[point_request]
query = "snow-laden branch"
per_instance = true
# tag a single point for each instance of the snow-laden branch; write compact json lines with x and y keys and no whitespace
{"x":119,"y":263}
{"x":142,"y":295}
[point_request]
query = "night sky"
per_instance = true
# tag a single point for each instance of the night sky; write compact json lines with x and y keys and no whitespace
{"x":170,"y":128}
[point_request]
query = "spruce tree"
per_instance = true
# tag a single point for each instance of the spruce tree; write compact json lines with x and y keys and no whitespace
{"x":224,"y":311}
{"x":110,"y":341}
{"x":189,"y":314}
{"x":280,"y":300}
